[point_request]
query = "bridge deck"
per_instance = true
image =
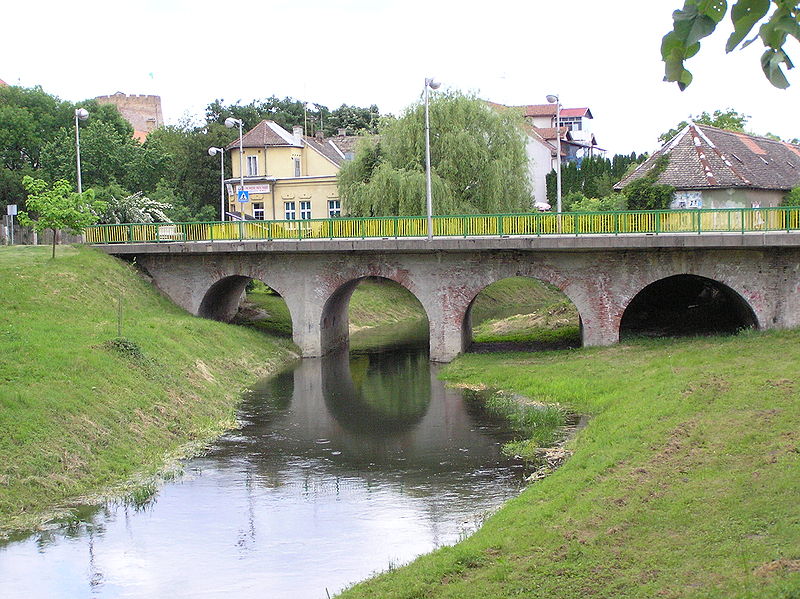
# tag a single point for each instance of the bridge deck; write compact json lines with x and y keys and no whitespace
{"x":631,"y":241}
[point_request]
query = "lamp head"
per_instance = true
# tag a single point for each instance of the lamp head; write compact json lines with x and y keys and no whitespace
{"x":231,"y":122}
{"x":212,"y":151}
{"x":82,"y":114}
{"x":432,"y":83}
{"x":552,"y":98}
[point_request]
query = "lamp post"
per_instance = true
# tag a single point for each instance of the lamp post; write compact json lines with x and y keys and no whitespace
{"x":430,"y":83}
{"x":81,"y":114}
{"x":213,"y":151}
{"x":553,"y":99}
{"x":230,"y":123}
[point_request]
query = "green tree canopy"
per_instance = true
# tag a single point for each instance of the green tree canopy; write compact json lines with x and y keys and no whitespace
{"x":699,"y":18}
{"x":288,"y":113}
{"x":58,"y":207}
{"x":478,"y":162}
{"x":724,"y":119}
{"x":592,"y":177}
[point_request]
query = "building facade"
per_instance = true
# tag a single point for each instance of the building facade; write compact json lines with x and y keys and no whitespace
{"x":288,"y":176}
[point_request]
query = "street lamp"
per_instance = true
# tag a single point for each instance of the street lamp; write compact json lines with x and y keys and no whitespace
{"x":432,"y":84}
{"x":553,"y":99}
{"x":213,"y":151}
{"x":230,"y":123}
{"x":81,"y":114}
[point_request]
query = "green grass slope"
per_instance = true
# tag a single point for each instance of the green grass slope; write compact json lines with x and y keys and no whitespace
{"x":685,"y":483}
{"x":78,"y":412}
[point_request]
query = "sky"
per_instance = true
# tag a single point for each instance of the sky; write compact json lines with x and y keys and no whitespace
{"x":604,"y":55}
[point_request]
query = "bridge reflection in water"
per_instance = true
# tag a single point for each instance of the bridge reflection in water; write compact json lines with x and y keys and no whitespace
{"x":341,"y":467}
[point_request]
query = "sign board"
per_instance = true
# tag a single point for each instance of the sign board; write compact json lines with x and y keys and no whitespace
{"x":255,"y":188}
{"x":11,"y":209}
{"x":243,"y":196}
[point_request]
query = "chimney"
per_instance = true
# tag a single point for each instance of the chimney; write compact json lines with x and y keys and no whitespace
{"x":341,"y":132}
{"x":297,"y":131}
{"x":320,"y":134}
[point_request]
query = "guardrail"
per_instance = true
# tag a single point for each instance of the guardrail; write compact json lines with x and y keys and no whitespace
{"x":736,"y":220}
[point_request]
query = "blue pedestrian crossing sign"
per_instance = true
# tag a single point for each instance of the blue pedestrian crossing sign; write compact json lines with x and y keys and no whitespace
{"x":243,"y":196}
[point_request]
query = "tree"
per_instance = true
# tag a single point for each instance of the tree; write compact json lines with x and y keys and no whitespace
{"x":699,"y":18}
{"x":122,"y":207}
{"x":353,"y":119}
{"x":58,"y":207}
{"x":593,"y":177}
{"x":724,"y":119}
{"x":478,"y":162}
{"x":190,"y":182}
{"x":645,"y":193}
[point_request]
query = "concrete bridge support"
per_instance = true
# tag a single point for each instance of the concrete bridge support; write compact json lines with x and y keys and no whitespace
{"x":601,"y":276}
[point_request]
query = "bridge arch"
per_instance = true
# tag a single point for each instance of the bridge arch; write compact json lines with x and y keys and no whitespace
{"x":547,"y":304}
{"x":686,"y":304}
{"x":222,"y":299}
{"x":334,"y":318}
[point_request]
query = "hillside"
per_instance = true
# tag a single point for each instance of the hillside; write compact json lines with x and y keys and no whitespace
{"x":81,"y":410}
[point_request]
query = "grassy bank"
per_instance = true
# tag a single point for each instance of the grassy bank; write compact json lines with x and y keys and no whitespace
{"x":80,"y":412}
{"x":685,"y":483}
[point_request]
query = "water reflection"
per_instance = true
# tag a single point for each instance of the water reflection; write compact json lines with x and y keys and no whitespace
{"x":341,"y":467}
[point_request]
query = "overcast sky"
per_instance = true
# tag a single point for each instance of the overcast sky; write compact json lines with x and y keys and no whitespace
{"x":604,"y":55}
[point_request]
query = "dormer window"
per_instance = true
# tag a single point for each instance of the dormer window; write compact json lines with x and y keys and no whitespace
{"x":252,"y":166}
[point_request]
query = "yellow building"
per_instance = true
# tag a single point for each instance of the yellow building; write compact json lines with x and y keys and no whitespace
{"x":288,"y":175}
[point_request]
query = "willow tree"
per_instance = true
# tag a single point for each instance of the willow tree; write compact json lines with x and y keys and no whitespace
{"x":478,"y":162}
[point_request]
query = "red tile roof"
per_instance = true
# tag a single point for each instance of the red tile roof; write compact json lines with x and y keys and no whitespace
{"x":534,"y":110}
{"x":704,"y":157}
{"x":266,"y":133}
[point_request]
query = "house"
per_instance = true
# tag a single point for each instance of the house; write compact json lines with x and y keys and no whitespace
{"x":716,"y":168}
{"x":577,"y":140}
{"x":288,"y":175}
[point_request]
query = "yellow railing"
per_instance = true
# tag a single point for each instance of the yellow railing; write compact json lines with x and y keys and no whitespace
{"x":493,"y":225}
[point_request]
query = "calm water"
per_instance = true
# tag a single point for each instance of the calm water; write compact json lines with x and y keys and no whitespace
{"x":343,"y":467}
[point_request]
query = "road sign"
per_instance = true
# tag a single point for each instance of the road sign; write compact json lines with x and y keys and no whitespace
{"x":243,"y":196}
{"x":11,"y":209}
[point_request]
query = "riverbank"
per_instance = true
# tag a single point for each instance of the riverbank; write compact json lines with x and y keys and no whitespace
{"x":684,"y":483}
{"x":82,"y":410}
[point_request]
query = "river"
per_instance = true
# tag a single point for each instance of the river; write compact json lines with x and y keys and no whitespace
{"x":342,"y":467}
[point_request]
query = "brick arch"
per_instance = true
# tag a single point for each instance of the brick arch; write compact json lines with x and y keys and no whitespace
{"x":333,"y":318}
{"x":552,"y":273}
{"x":742,"y":306}
{"x":220,"y":301}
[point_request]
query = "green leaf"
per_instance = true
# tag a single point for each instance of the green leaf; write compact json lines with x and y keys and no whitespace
{"x":771,"y":62}
{"x":745,"y":14}
{"x":714,"y":9}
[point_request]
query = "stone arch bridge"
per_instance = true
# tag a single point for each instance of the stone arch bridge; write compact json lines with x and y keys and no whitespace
{"x":601,"y":275}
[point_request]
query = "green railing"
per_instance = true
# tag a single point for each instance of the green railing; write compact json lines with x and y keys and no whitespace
{"x":737,"y":220}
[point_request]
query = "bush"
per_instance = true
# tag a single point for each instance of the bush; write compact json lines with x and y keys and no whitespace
{"x":792,"y":198}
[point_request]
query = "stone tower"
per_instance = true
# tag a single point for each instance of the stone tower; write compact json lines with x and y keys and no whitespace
{"x":141,"y":111}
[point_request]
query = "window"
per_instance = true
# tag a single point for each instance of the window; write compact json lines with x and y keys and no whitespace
{"x":334,"y":208}
{"x":252,"y":166}
{"x":258,"y":210}
{"x":289,"y":211}
{"x":573,"y":123}
{"x":305,"y":210}
{"x":296,"y":166}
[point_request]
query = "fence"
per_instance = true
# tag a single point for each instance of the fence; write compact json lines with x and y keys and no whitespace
{"x":737,"y":220}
